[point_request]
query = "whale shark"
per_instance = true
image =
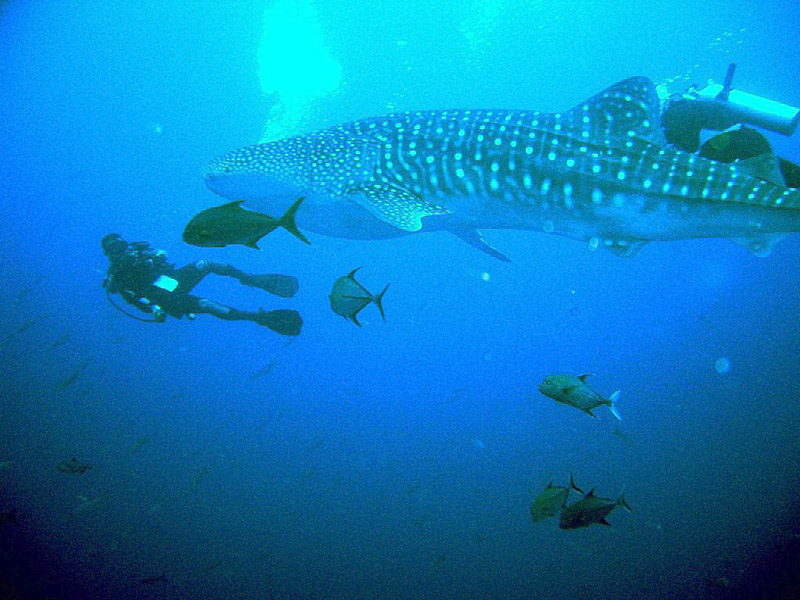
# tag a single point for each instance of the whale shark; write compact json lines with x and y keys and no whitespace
{"x":601,"y":173}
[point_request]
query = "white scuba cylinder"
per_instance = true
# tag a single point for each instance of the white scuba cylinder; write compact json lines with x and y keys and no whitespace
{"x":753,"y":110}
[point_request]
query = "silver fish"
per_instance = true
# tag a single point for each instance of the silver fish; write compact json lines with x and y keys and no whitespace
{"x":348,"y":297}
{"x":589,"y":510}
{"x":574,"y":391}
{"x":550,"y":500}
{"x":74,"y":466}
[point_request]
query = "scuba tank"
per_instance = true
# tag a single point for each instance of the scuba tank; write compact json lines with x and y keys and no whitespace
{"x":718,"y":108}
{"x":742,"y":107}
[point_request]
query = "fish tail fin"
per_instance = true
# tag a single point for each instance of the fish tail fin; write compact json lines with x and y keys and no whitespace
{"x":287,"y":221}
{"x":573,"y":486}
{"x":622,"y":502}
{"x":612,"y":404}
{"x":378,"y":299}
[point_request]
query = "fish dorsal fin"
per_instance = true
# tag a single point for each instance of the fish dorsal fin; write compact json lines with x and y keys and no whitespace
{"x":764,"y":166}
{"x":590,"y":494}
{"x":629,"y":108}
{"x":583,"y":376}
{"x":366,"y":296}
{"x":235,"y":205}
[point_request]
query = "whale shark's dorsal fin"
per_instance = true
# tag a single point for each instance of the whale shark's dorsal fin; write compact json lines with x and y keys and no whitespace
{"x":629,"y":108}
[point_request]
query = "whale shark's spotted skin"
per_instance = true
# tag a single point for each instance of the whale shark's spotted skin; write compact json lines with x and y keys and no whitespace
{"x":600,"y":172}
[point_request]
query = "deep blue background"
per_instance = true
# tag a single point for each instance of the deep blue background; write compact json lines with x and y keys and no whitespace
{"x":397,"y":460}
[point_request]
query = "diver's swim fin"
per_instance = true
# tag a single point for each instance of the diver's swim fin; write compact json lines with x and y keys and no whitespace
{"x":284,"y":286}
{"x":284,"y":322}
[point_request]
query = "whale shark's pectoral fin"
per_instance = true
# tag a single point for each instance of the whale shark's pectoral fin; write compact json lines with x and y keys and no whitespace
{"x":474,"y":238}
{"x":395,"y":205}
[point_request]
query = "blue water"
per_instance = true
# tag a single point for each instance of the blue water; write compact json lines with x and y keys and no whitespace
{"x":396,"y":460}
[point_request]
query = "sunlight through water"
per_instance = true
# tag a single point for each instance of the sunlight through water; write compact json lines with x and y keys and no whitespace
{"x":295,"y":67}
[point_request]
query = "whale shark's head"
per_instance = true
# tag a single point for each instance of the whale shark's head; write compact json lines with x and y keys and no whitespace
{"x":319,"y":167}
{"x":270,"y":173}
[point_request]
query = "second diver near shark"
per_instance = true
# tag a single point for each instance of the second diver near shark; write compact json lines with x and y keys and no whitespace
{"x":605,"y":173}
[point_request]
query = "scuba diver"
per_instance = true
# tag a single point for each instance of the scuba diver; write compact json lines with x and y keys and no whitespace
{"x":144,"y":279}
{"x":729,"y":111}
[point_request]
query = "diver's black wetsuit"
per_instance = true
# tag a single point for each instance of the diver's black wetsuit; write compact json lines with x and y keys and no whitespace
{"x":143,"y":278}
